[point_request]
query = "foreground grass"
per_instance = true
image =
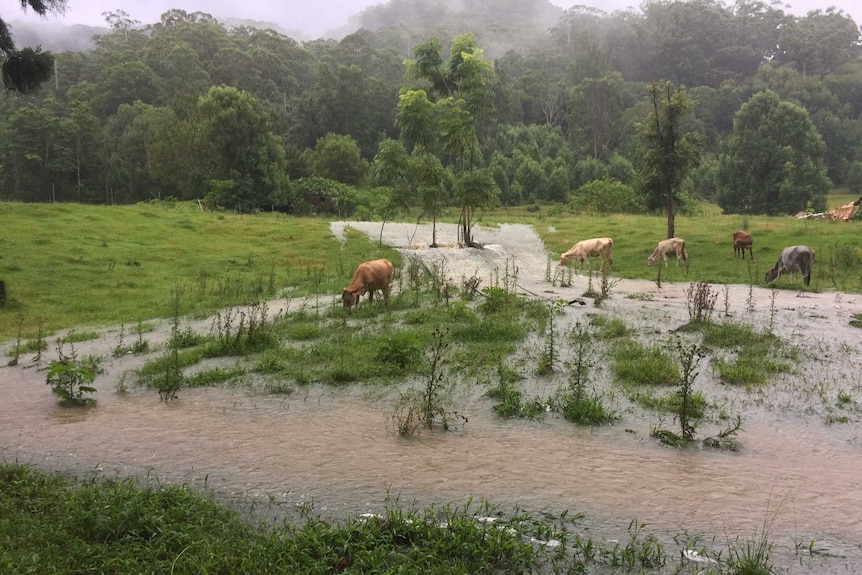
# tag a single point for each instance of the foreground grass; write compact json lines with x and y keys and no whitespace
{"x":57,"y":524}
{"x":52,"y":524}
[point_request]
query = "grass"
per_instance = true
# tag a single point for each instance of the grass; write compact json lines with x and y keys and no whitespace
{"x":636,"y":365}
{"x":69,"y":265}
{"x":708,"y":241}
{"x":75,"y":265}
{"x":51,"y":523}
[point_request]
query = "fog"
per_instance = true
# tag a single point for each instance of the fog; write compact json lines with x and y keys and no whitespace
{"x":312,"y":19}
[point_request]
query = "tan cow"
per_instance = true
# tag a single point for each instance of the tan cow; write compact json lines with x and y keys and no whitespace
{"x":667,"y":247}
{"x":742,"y":240}
{"x":593,"y":248}
{"x":369,"y":276}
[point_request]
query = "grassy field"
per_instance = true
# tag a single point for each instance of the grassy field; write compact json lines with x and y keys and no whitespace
{"x":68,"y":265}
{"x":708,"y":235}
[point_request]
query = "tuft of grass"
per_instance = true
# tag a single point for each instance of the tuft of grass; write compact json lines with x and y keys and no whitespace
{"x":636,"y":365}
{"x":609,"y":328}
{"x":213,"y":376}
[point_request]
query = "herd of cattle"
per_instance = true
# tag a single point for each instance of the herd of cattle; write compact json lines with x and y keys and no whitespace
{"x":376,"y":275}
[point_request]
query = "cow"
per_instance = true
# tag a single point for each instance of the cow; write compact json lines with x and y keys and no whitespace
{"x":369,"y":276}
{"x":742,"y":240}
{"x":670,"y":246}
{"x":792,"y":260}
{"x":593,"y":248}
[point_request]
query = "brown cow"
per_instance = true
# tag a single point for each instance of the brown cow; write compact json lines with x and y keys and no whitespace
{"x":369,"y":276}
{"x":741,"y":241}
{"x":594,"y":248}
{"x":667,"y":247}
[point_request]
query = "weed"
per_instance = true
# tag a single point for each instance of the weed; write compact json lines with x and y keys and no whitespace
{"x":426,"y":408}
{"x":72,"y":379}
{"x":772,"y":310}
{"x":550,"y":354}
{"x":16,"y":349}
{"x":700,"y":300}
{"x":689,"y":357}
{"x":726,"y":290}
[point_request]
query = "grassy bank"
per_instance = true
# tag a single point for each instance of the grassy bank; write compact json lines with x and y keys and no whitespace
{"x":56,"y":524}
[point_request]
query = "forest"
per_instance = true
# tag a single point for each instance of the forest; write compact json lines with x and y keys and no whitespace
{"x":430,"y":105}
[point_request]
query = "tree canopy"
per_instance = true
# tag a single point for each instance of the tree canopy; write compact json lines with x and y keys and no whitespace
{"x":773,"y":161}
{"x":517,"y":102}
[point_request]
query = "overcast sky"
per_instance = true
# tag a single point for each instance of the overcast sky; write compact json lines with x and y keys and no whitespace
{"x":312,"y":17}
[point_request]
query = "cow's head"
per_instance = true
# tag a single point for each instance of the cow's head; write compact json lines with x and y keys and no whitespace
{"x":349,"y":298}
{"x":770,"y":275}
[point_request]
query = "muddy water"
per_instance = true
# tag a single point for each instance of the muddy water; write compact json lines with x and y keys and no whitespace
{"x":334,"y":449}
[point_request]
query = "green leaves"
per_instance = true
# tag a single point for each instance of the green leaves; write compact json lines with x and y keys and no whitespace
{"x":773,"y":163}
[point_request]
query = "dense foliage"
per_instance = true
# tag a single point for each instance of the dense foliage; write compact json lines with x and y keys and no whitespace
{"x":522,"y":103}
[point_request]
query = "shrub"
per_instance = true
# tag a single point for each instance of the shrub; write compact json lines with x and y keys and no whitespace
{"x":608,"y":196}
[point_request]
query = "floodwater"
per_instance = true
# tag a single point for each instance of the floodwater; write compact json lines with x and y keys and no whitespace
{"x":332,"y":448}
{"x":796,"y":477}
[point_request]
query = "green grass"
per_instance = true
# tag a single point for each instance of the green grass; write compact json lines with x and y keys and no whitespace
{"x":708,"y":241}
{"x":51,"y":523}
{"x":68,"y":265}
{"x":637,"y":365}
{"x":74,"y":265}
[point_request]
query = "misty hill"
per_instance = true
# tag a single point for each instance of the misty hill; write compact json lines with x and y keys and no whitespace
{"x":55,"y":36}
{"x":498,"y":26}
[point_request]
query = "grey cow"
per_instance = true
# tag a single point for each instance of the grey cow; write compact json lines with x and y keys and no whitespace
{"x":792,"y":260}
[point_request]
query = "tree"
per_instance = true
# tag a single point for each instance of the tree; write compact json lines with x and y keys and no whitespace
{"x":222,"y":145}
{"x":25,"y":70}
{"x":463,"y":88}
{"x":338,"y":158}
{"x":666,"y":151}
{"x":773,"y":161}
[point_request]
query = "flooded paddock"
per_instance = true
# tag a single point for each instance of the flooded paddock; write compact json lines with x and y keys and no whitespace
{"x":332,"y":448}
{"x":797,"y":475}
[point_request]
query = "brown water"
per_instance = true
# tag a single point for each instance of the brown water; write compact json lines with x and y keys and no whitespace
{"x":333,"y":448}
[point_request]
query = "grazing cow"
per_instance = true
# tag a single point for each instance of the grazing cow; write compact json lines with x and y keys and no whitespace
{"x":666,"y":247}
{"x":369,"y":276}
{"x":793,"y":259}
{"x":742,"y":240}
{"x":594,"y":248}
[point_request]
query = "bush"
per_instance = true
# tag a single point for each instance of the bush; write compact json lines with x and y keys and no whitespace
{"x":608,"y":196}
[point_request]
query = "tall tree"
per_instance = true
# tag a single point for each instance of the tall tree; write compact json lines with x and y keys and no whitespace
{"x":26,"y":69}
{"x":666,"y":150}
{"x":773,"y":162}
{"x":465,"y":97}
